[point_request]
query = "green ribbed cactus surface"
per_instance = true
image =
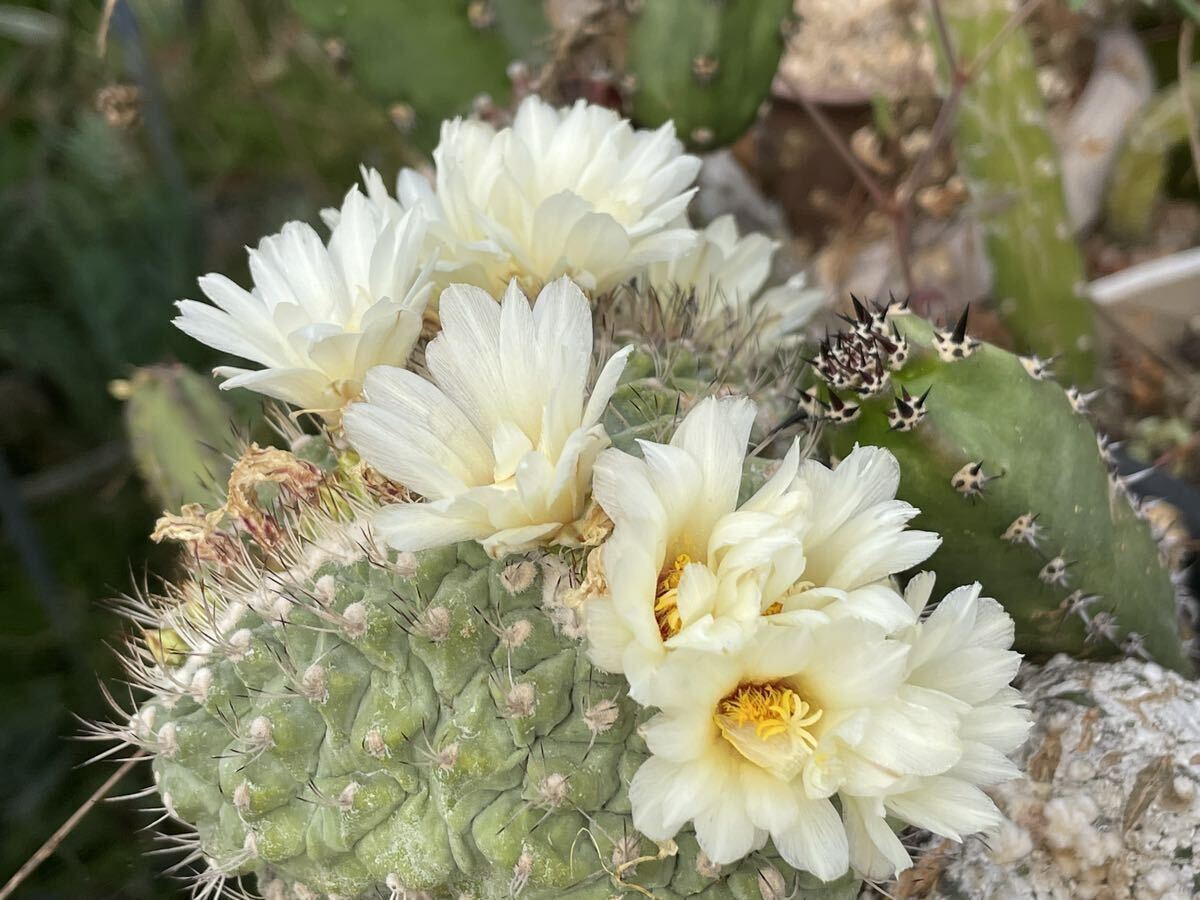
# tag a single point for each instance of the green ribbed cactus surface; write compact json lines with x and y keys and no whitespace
{"x":419,"y":726}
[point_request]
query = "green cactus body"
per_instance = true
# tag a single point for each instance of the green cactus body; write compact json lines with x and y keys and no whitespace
{"x":419,"y":726}
{"x":1009,"y":160}
{"x":393,"y":48}
{"x":180,"y":434}
{"x":706,"y":65}
{"x":1004,"y":461}
{"x":652,"y":396}
{"x":1141,"y":166}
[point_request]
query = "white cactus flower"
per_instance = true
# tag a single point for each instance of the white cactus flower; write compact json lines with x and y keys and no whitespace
{"x":725,"y":270}
{"x":725,"y":273}
{"x":686,"y":567}
{"x":756,"y":742}
{"x":501,"y":439}
{"x":784,"y":310}
{"x":319,"y":316}
{"x":574,"y":191}
{"x":960,"y":658}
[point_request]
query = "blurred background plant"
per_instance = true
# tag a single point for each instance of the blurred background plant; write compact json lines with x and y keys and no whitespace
{"x":911,"y":146}
{"x":138,"y":153}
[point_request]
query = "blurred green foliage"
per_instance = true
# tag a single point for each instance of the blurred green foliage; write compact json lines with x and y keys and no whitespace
{"x":125,"y":175}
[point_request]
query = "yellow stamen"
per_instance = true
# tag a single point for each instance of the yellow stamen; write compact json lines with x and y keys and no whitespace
{"x":666,"y":598}
{"x":773,"y":709}
{"x":774,"y":609}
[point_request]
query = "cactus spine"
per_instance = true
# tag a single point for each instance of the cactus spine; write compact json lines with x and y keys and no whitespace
{"x":1140,"y":167}
{"x":1009,"y":160}
{"x":995,"y":452}
{"x":708,"y":66}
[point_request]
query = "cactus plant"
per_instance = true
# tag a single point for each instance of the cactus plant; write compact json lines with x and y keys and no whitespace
{"x":393,"y":48}
{"x":179,"y":432}
{"x":1139,"y":170}
{"x":457,"y":645}
{"x":707,"y":66}
{"x":1009,"y":160}
{"x":1005,"y":462}
{"x":365,"y":723}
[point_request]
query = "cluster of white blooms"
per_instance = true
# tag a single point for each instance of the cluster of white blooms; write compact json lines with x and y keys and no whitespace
{"x":786,"y":666}
{"x":801,"y":697}
{"x":573,"y":192}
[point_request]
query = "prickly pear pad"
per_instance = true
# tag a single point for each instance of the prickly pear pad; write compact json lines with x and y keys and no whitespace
{"x":1005,"y":461}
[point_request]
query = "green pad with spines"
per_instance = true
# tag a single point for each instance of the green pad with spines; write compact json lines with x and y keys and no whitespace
{"x":1010,"y":162}
{"x":395,"y":49}
{"x":1039,"y":455}
{"x":416,"y":760}
{"x":705,"y":65}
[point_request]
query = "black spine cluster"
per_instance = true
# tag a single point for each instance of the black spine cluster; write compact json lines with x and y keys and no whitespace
{"x":858,"y":361}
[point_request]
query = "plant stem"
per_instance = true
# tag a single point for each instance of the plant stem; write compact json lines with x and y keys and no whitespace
{"x":47,"y":849}
{"x":1187,"y":38}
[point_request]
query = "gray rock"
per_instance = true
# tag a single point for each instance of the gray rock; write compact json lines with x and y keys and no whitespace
{"x":1108,"y":807}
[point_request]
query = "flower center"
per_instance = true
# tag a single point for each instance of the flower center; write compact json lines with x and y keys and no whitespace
{"x":666,"y":597}
{"x":770,"y":725}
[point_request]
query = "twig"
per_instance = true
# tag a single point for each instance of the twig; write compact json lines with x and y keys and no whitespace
{"x":939,"y":21}
{"x":937,"y":134}
{"x":945,"y":116}
{"x":51,"y":483}
{"x":898,"y":212}
{"x":102,"y":30}
{"x":843,"y":150}
{"x":567,"y":43}
{"x":960,"y":77}
{"x":47,"y":849}
{"x":898,"y":206}
{"x":1187,"y":38}
{"x":902,"y":231}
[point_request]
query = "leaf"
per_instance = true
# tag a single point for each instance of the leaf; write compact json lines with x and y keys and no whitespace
{"x":31,"y":27}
